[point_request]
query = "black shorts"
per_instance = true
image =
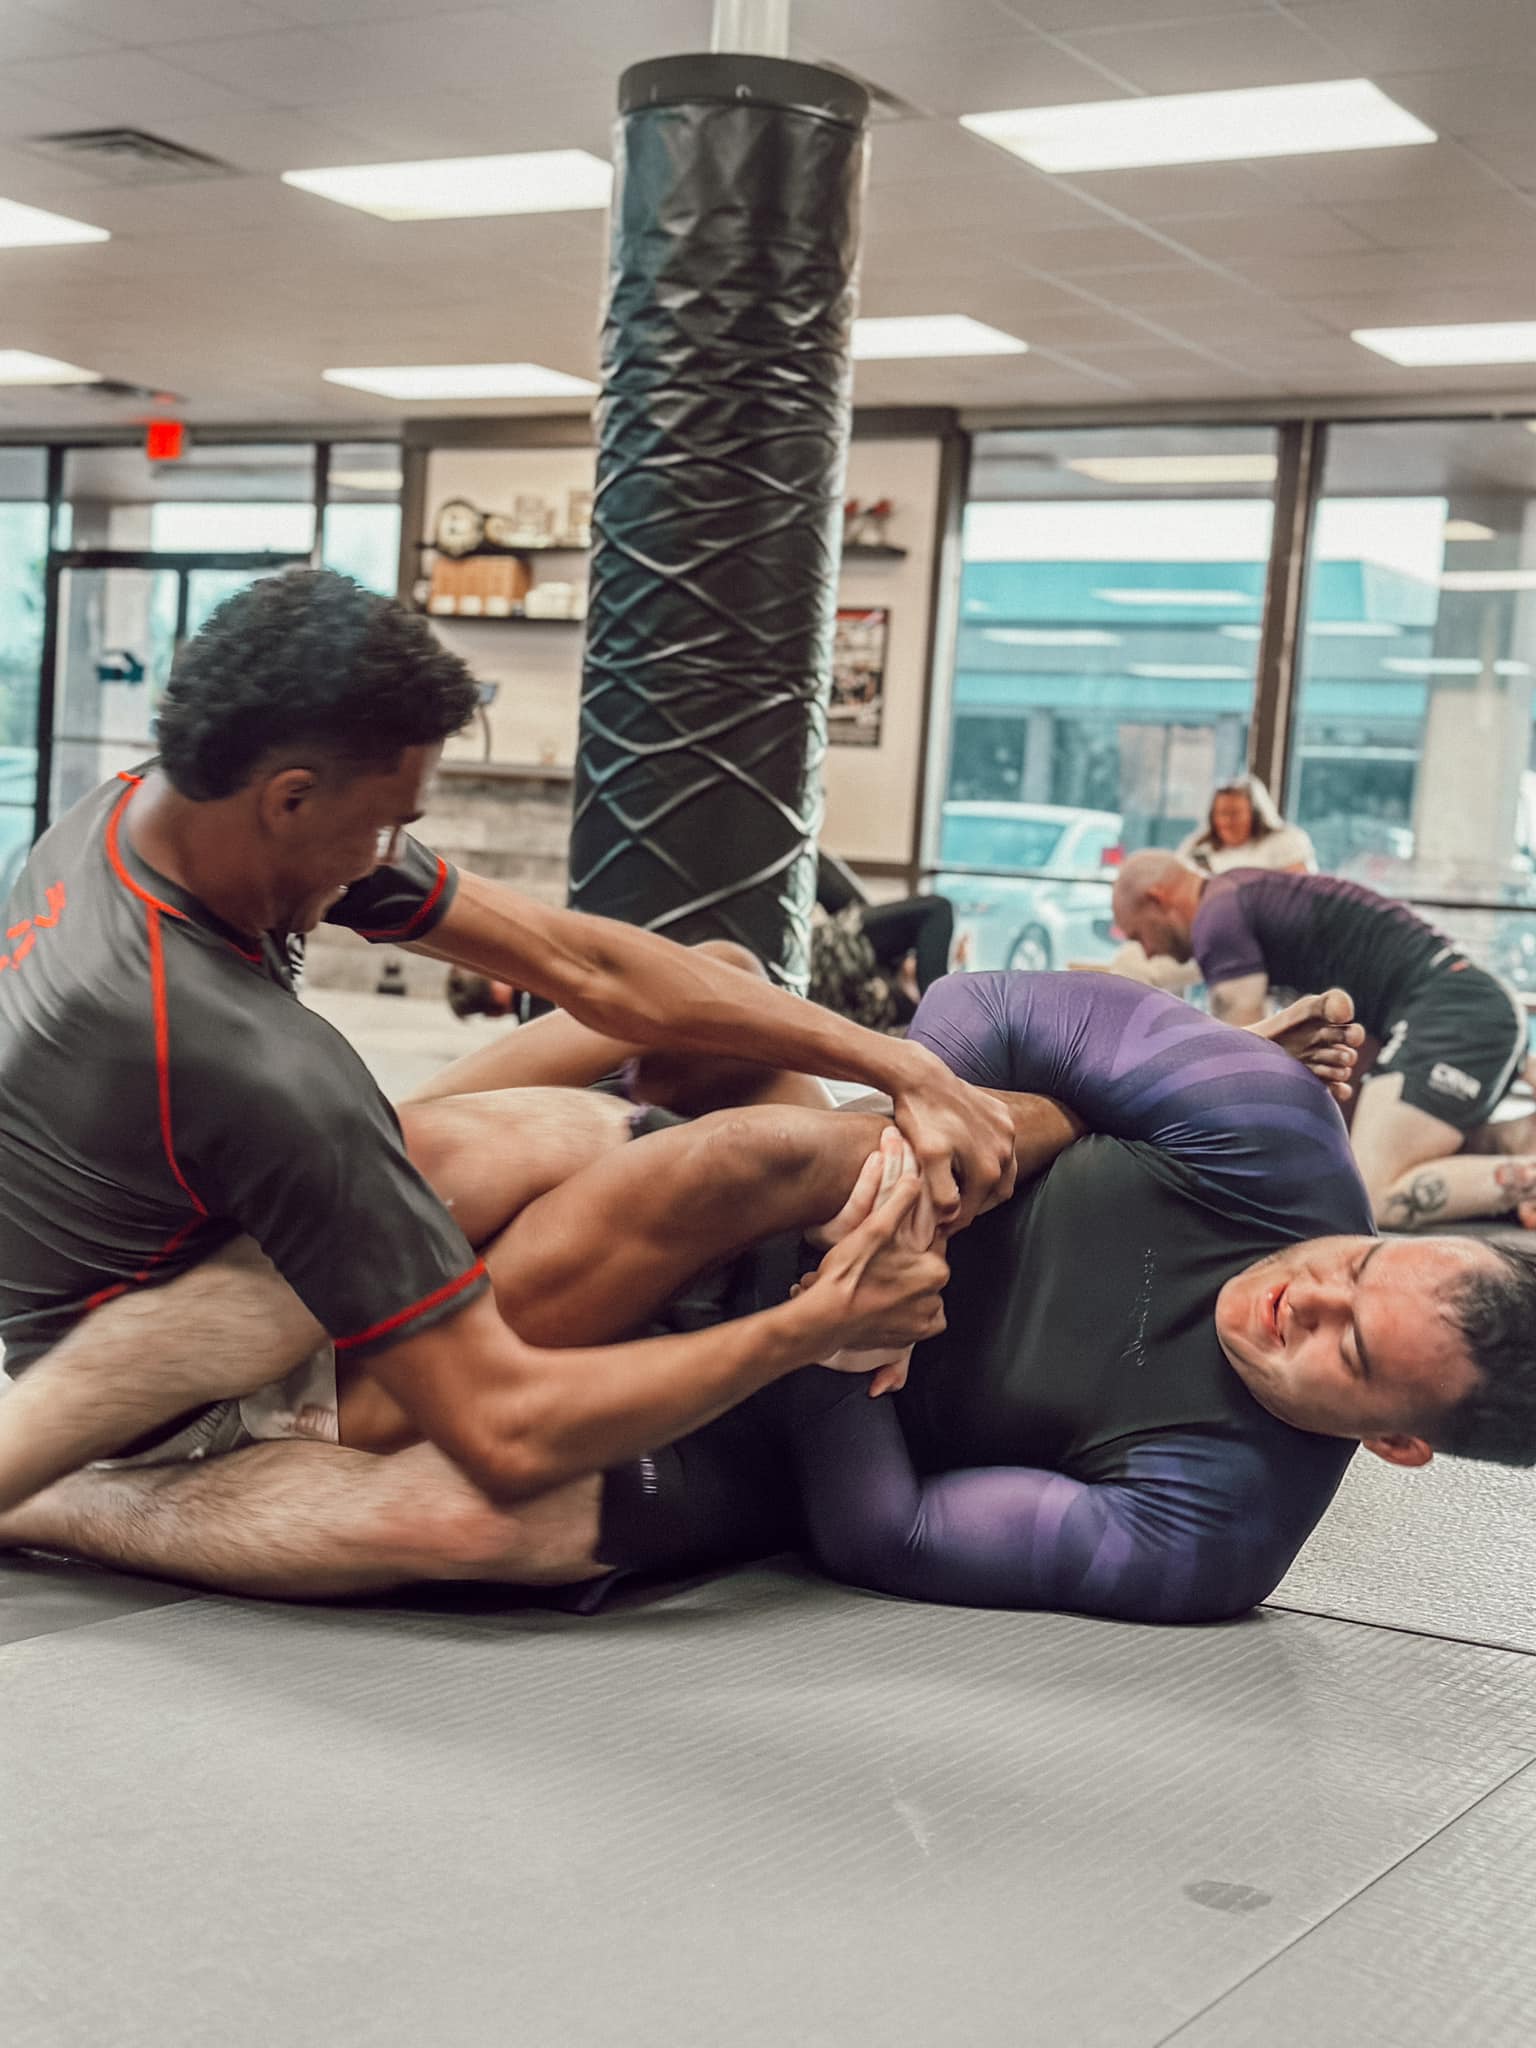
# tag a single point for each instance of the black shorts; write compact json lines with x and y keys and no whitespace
{"x":1458,"y":1043}
{"x":725,"y":1494}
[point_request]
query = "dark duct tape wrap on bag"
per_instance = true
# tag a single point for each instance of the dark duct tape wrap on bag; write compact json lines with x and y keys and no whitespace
{"x":722,"y":440}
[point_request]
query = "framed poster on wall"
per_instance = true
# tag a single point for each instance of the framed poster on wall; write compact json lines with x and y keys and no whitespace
{"x":858,"y":675}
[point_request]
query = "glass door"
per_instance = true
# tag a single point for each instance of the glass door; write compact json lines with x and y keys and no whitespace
{"x":121,"y":616}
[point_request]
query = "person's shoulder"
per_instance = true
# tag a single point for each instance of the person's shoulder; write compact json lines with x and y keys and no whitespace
{"x":276,"y":1063}
{"x":1289,"y":845}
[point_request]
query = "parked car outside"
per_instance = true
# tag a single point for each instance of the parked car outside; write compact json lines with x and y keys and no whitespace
{"x":18,"y":776}
{"x":1056,"y":910}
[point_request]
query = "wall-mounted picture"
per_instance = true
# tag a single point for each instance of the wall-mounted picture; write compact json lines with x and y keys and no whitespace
{"x":858,"y":675}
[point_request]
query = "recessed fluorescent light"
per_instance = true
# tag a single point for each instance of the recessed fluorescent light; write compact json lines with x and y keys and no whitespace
{"x":464,"y":380}
{"x":1177,"y":469}
{"x":931,"y":334}
{"x":1239,"y":632}
{"x":1488,"y":579}
{"x":19,"y":366}
{"x":1191,"y":672}
{"x":1417,"y":348}
{"x":1049,"y":636}
{"x":1203,"y":127}
{"x":1149,"y":595}
{"x":1450,"y":665}
{"x":368,"y":479}
{"x":466,"y":187}
{"x":28,"y":227}
{"x":1467,"y":529}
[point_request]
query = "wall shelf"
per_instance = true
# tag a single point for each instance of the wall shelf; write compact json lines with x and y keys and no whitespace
{"x":491,"y":618}
{"x":881,"y":550}
{"x":532,"y":547}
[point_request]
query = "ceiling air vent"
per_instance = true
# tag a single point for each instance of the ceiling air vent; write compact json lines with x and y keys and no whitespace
{"x":128,"y":156}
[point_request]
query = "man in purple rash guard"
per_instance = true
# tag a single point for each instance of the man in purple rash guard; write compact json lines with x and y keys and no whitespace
{"x":1452,"y":1035}
{"x":1159,"y":1358}
{"x":1159,"y":1355}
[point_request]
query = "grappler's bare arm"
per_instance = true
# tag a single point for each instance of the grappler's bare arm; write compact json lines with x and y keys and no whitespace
{"x":631,"y":985}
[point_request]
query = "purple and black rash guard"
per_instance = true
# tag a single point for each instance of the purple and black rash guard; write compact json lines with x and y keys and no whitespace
{"x":1312,"y":932}
{"x":1076,"y":1438}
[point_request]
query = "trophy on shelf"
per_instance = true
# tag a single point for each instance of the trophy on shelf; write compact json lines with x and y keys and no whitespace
{"x":864,"y":526}
{"x":480,"y":568}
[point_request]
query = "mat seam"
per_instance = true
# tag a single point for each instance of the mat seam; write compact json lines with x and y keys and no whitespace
{"x":1250,"y":1976}
{"x":1402,"y":1628}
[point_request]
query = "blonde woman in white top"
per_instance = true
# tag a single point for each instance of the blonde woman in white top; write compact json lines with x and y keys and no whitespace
{"x":1244,"y":829}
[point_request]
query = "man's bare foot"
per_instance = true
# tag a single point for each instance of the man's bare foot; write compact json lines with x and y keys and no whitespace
{"x":1321,"y":1033}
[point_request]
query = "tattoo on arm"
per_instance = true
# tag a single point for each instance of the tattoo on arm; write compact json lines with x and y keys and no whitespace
{"x":1422,"y":1199}
{"x":1516,"y":1179}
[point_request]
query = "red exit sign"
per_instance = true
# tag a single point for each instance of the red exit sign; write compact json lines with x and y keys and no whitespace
{"x":164,"y":440}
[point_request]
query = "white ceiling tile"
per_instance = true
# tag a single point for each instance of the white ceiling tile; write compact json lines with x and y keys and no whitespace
{"x":829,"y":23}
{"x":1020,"y":70}
{"x":1429,"y":35}
{"x":28,"y":110}
{"x":1483,"y":221}
{"x":439,"y":124}
{"x":1464,"y":100}
{"x":451,"y":49}
{"x":160,"y":21}
{"x":610,"y":39}
{"x":1068,"y":251}
{"x":127,"y":86}
{"x":28,"y":32}
{"x":1144,"y":287}
{"x":324,"y":13}
{"x":1293,"y":231}
{"x":1071,"y":17}
{"x":1163,"y":192}
{"x":1005,"y":208}
{"x":1302,"y":278}
{"x":1365,"y":174}
{"x":293,"y":67}
{"x":284,"y":139}
{"x":901,"y":151}
{"x":1256,"y":321}
{"x":1209,"y":56}
{"x":1507,"y":152}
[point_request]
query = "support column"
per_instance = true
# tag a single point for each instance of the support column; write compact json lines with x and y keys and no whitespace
{"x":722,"y":439}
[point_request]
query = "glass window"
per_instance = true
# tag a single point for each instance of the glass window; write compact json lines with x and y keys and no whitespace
{"x":1111,"y":595}
{"x":23,"y":560}
{"x":1413,"y":749}
{"x":255,"y":495}
{"x":234,"y":529}
{"x":362,"y":518}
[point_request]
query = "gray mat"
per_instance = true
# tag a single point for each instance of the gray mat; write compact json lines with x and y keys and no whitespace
{"x":1393,"y":1970}
{"x":764,"y":1812}
{"x":1450,"y":1550}
{"x":40,"y":1595}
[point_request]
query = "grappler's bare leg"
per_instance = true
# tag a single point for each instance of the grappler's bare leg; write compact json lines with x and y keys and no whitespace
{"x":297,"y":1521}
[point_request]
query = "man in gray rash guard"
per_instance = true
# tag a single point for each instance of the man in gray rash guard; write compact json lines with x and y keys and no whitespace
{"x":163,"y":1095}
{"x":1159,"y":1356}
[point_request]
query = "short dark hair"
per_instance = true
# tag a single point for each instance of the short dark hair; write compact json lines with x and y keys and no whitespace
{"x":1495,"y":1313}
{"x":306,"y":659}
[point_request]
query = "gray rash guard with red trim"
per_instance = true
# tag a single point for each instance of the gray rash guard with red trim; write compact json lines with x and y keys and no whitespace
{"x":163,"y":1091}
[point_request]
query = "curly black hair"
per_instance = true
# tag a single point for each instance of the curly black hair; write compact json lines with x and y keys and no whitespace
{"x":1496,"y":1315}
{"x":306,"y":659}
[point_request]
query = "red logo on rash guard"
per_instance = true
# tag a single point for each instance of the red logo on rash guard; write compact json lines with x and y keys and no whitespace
{"x":23,"y":937}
